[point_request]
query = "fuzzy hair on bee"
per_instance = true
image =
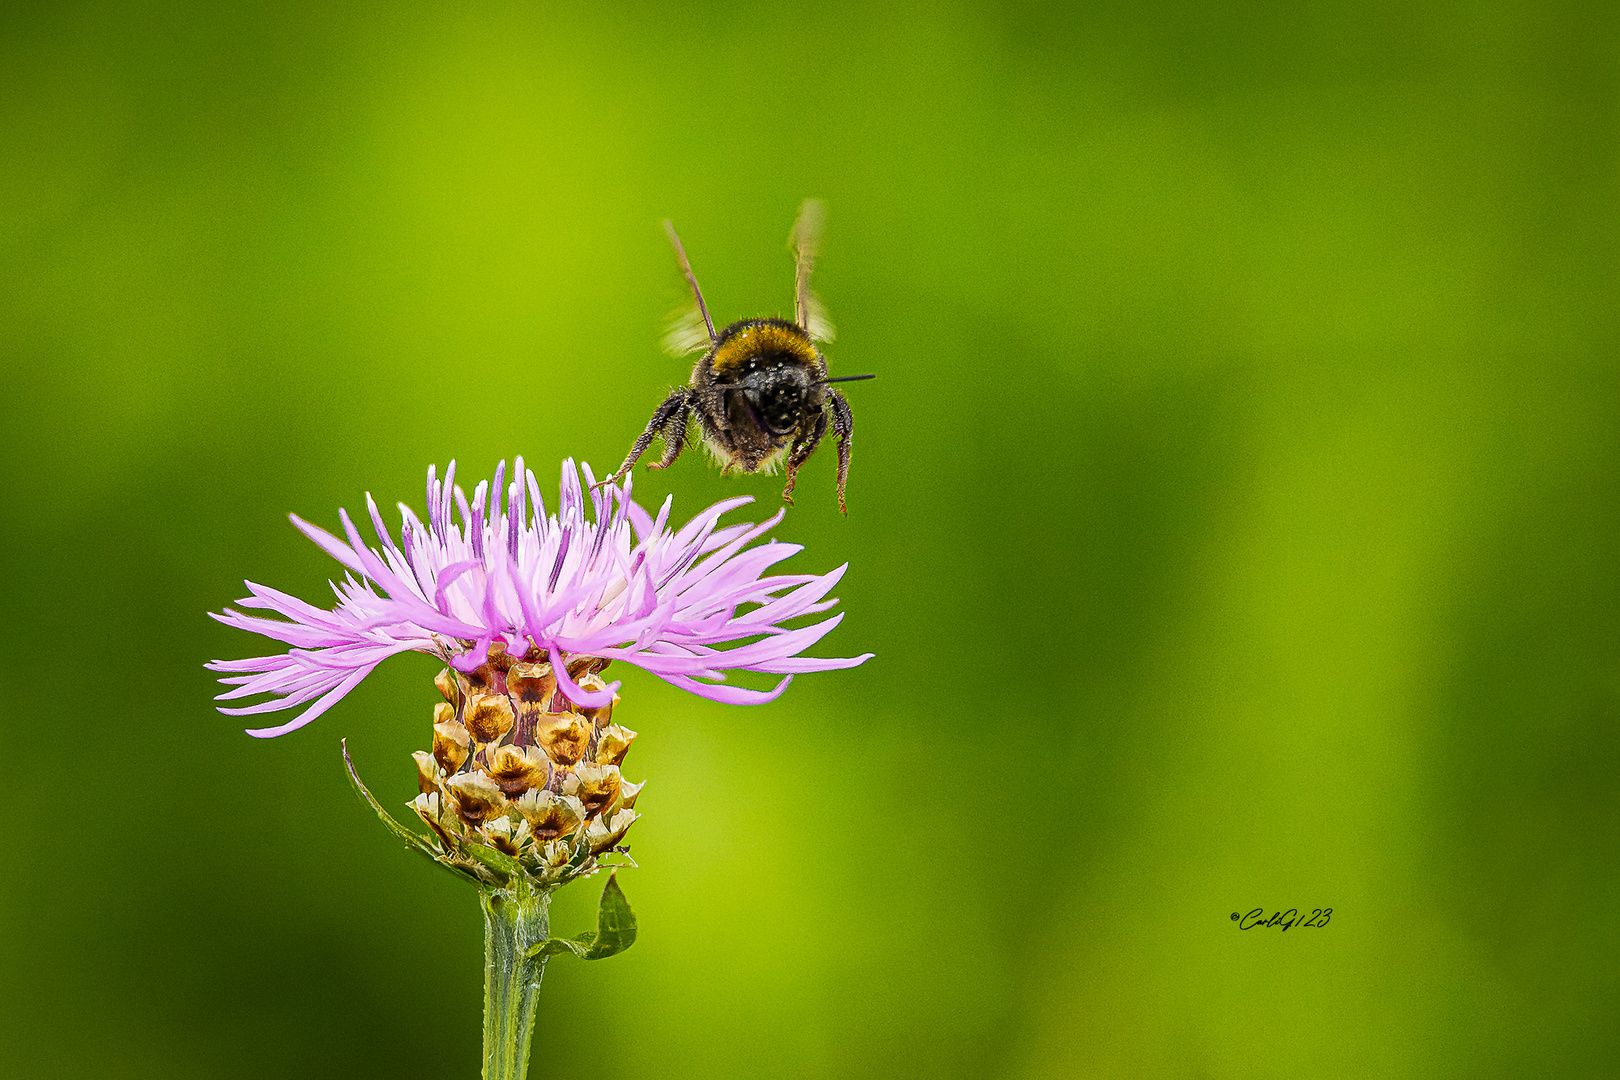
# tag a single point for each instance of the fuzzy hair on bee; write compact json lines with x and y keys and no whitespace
{"x":760,"y":393}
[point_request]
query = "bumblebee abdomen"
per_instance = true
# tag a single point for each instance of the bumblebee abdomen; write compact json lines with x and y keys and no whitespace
{"x":754,"y":343}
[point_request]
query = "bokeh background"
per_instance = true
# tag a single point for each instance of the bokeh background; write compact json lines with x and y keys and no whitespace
{"x":1234,"y":520}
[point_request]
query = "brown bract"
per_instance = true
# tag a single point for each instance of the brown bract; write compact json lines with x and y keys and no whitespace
{"x":564,"y":736}
{"x":488,"y":717}
{"x":606,"y":834}
{"x":428,"y":773}
{"x":612,"y":744}
{"x":451,"y":741}
{"x":595,"y":786}
{"x":518,"y":767}
{"x":550,"y":816}
{"x":477,"y":797}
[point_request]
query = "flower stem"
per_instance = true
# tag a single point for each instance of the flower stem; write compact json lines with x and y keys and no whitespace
{"x":514,"y":921}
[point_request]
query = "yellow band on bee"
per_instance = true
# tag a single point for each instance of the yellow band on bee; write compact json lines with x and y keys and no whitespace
{"x":735,"y":351}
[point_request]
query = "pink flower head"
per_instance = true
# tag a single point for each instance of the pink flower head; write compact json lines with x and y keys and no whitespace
{"x":619,"y":585}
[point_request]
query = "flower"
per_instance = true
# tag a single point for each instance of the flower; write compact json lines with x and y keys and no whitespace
{"x":520,"y":792}
{"x":508,"y":581}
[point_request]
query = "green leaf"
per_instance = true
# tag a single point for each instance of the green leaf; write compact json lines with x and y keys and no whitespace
{"x":615,"y":929}
{"x":413,"y":839}
{"x":615,"y":922}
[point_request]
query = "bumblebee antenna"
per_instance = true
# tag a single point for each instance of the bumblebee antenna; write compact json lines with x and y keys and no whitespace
{"x":845,"y":378}
{"x":691,"y":278}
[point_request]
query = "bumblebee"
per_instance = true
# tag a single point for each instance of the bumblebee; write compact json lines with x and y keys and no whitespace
{"x":760,"y":392}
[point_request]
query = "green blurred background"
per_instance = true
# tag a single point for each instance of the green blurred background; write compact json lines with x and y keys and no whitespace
{"x":1234,"y":519}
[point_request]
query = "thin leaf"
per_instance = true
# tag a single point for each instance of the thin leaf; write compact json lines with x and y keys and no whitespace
{"x":413,"y":839}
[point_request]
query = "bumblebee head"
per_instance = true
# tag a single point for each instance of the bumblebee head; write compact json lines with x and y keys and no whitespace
{"x":777,"y":396}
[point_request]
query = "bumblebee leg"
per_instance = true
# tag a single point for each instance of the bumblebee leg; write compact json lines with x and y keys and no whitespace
{"x":673,"y":406}
{"x":802,"y":450}
{"x":844,"y":426}
{"x":674,"y":439}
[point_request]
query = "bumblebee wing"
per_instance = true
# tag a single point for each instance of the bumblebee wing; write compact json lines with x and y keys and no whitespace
{"x":687,"y":332}
{"x":809,"y":311}
{"x":815,"y":319}
{"x":691,"y":328}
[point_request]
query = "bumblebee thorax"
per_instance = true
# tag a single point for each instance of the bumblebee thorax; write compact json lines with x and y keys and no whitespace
{"x":754,"y":345}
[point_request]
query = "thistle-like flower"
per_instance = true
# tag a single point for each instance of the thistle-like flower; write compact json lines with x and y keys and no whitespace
{"x":521,"y":785}
{"x":521,"y":788}
{"x":508,"y":583}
